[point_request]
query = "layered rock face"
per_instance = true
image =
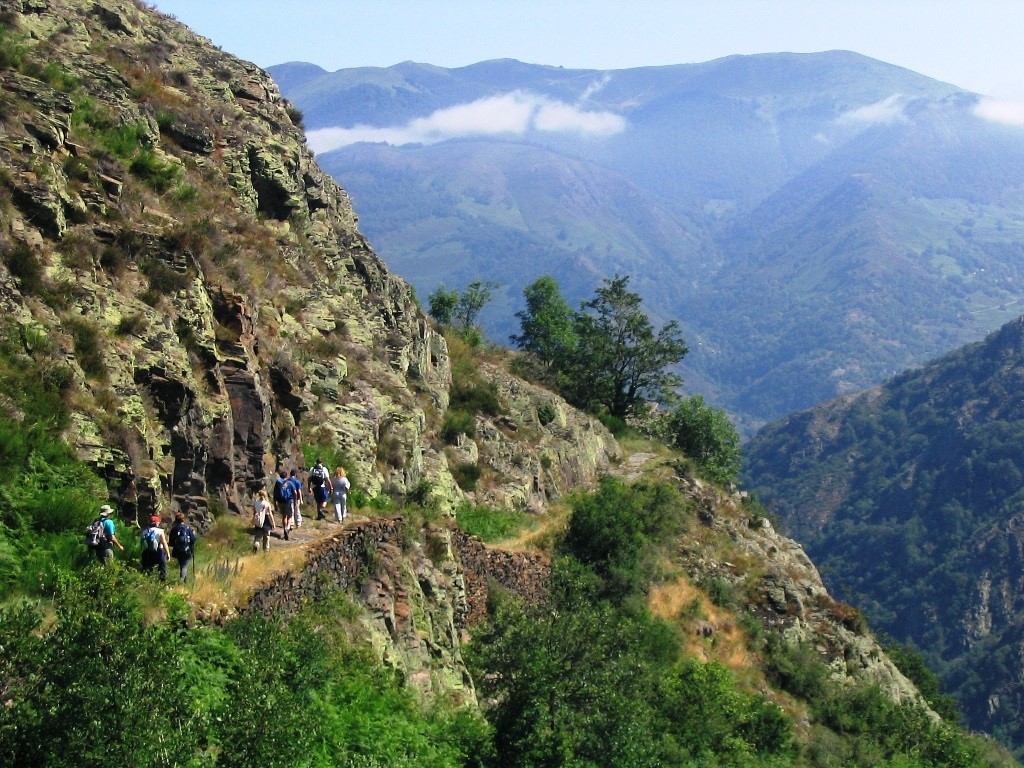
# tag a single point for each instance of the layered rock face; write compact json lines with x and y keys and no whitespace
{"x":168,"y":231}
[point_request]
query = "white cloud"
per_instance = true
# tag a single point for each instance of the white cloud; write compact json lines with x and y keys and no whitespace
{"x":1001,"y":111}
{"x":512,"y":113}
{"x":886,"y":111}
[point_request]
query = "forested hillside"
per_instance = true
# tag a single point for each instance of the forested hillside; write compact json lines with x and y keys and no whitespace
{"x":910,"y":497}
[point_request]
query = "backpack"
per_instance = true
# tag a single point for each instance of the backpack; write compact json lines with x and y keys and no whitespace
{"x":317,"y":477}
{"x":282,"y":490}
{"x":151,"y":539}
{"x":95,"y":536}
{"x":181,"y":539}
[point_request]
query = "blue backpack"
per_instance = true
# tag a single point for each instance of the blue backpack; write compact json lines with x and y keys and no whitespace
{"x":282,"y":490}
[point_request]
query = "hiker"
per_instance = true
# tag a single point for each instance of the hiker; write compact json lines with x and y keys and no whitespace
{"x":283,"y":491}
{"x":155,"y":552}
{"x":183,"y":542}
{"x":293,"y":478}
{"x":100,"y":538}
{"x":263,"y":521}
{"x":321,"y":485}
{"x":339,"y":493}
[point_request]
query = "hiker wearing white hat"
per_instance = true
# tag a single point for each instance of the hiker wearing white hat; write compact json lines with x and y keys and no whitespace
{"x":100,"y":537}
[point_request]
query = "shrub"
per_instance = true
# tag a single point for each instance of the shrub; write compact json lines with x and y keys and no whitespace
{"x":457,"y":422}
{"x":706,"y":435}
{"x":88,"y":351}
{"x":131,"y":325}
{"x":546,"y":414}
{"x":466,"y":475}
{"x":295,"y":115}
{"x":25,"y":265}
{"x":157,"y":172}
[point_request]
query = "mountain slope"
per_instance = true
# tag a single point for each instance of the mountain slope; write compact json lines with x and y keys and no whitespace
{"x":910,"y":496}
{"x":792,"y":283}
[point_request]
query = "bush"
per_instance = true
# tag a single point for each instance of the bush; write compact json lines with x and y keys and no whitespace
{"x":546,"y":414}
{"x":466,"y":475}
{"x":706,"y":435}
{"x":88,"y":350}
{"x":457,"y":423}
{"x":158,"y":173}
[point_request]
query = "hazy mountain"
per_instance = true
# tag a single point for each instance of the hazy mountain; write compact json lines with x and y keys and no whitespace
{"x":838,"y":218}
{"x":910,"y":497}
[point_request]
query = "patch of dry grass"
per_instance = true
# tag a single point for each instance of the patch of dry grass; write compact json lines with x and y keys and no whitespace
{"x":680,"y":602}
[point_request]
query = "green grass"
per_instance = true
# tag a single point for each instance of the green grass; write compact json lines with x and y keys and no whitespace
{"x":492,"y":524}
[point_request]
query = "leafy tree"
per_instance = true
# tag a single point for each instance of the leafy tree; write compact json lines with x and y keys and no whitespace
{"x":621,"y":362}
{"x":705,"y":434}
{"x":547,"y":323}
{"x":473,"y":299}
{"x":443,"y":303}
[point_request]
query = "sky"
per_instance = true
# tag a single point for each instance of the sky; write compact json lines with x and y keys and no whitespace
{"x":976,"y":45}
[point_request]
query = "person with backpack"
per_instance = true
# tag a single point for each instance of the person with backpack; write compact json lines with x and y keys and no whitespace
{"x":155,"y":552}
{"x":100,"y":538}
{"x":263,"y":521}
{"x":283,"y":492}
{"x":183,"y":542}
{"x":296,"y":498}
{"x":321,"y":485}
{"x":339,"y":493}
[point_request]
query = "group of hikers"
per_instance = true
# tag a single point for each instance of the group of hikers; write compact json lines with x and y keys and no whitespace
{"x":288,"y":497}
{"x":158,"y":546}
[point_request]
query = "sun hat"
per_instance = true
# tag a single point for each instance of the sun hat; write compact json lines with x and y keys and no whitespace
{"x":105,"y":510}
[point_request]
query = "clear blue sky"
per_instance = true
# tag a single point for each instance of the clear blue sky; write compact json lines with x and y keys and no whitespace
{"x":978,"y":45}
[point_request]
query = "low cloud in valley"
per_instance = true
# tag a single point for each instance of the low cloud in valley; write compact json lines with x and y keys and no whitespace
{"x":512,"y":113}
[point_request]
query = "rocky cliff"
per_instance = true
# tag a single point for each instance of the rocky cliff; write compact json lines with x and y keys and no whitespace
{"x":165,"y":226}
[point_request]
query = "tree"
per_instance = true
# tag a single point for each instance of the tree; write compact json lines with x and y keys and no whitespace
{"x":443,"y":303}
{"x":547,"y":324}
{"x":473,"y":299}
{"x":705,"y":434}
{"x":620,"y":361}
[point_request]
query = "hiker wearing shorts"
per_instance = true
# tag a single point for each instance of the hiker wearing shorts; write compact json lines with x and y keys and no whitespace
{"x":320,"y":484}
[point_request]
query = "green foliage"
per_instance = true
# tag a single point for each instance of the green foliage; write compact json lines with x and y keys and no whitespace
{"x":47,"y":496}
{"x":580,"y":682}
{"x":706,"y":435}
{"x":491,"y":524}
{"x":160,"y":174}
{"x":457,"y":423}
{"x":619,"y":530}
{"x":547,"y":324}
{"x":88,"y":349}
{"x":605,"y":358}
{"x":546,"y":414}
{"x":123,"y":142}
{"x":442,"y":304}
{"x":466,"y":475}
{"x":919,"y":480}
{"x":912,"y":664}
{"x":99,"y":684}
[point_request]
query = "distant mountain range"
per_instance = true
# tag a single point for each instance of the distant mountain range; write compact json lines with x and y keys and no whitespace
{"x":910,"y":498}
{"x":817,"y":222}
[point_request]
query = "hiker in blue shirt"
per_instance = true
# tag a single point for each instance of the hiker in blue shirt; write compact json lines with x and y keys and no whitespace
{"x":296,"y":498}
{"x":283,"y":492}
{"x":100,"y":536}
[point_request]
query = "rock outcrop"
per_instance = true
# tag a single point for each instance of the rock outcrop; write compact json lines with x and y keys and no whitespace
{"x":160,"y":206}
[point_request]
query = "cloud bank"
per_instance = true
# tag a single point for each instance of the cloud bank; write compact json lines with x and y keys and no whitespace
{"x":884,"y":112}
{"x":1000,"y":111}
{"x":510,"y":114}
